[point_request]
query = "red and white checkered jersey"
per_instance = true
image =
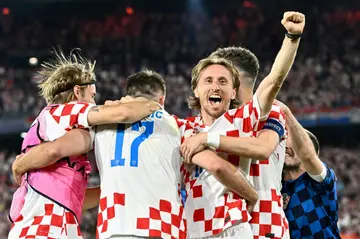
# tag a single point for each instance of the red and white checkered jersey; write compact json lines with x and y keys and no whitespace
{"x":211,"y":208}
{"x":139,"y":167}
{"x":268,"y":218}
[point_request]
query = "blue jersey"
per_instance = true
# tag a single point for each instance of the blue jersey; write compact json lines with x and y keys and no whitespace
{"x":312,"y":211}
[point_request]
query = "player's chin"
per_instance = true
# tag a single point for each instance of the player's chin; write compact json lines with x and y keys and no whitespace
{"x":216,"y":111}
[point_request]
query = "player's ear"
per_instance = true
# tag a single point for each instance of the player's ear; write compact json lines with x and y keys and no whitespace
{"x":162,"y":100}
{"x":196,"y":93}
{"x":77,"y":92}
{"x":233,"y":94}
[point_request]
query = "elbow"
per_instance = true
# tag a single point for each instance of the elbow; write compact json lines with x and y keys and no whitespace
{"x":217,"y":168}
{"x":266,"y":153}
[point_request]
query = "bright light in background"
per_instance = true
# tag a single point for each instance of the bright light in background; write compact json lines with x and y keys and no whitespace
{"x":33,"y":61}
{"x":23,"y":134}
{"x":5,"y":11}
{"x":129,"y":10}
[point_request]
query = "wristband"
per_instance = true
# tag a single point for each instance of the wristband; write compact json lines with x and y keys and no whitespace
{"x":213,"y":140}
{"x":293,"y":37}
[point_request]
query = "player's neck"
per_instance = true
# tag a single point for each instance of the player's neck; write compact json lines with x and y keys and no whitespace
{"x":292,"y":174}
{"x":246,"y":95}
{"x":208,"y":120}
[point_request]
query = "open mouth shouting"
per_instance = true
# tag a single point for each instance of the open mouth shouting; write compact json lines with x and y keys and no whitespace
{"x":215,"y":100}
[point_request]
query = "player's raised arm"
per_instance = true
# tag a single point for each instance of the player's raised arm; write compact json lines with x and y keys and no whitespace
{"x":227,"y":174}
{"x":129,"y":112}
{"x":75,"y":142}
{"x":268,"y":89}
{"x":303,"y":146}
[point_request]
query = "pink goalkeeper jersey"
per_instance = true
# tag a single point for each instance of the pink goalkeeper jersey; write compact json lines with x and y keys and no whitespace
{"x":210,"y":208}
{"x":65,"y":181}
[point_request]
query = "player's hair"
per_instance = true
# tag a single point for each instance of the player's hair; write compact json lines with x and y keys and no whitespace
{"x":146,"y":83}
{"x":243,"y":59}
{"x":61,"y":74}
{"x":314,"y":140}
{"x":193,"y":102}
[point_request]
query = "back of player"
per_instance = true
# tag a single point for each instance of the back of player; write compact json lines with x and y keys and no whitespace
{"x":139,"y":167}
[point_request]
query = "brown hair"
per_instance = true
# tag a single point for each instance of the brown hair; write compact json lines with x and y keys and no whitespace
{"x":193,"y":102}
{"x":243,"y":59}
{"x":60,"y":75}
{"x":146,"y":84}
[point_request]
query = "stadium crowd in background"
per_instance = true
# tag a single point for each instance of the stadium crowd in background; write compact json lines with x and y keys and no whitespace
{"x":327,"y":67}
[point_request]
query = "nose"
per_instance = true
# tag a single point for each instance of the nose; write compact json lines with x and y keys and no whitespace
{"x":215,"y":85}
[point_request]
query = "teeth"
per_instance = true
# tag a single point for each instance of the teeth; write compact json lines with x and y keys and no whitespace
{"x":215,"y":96}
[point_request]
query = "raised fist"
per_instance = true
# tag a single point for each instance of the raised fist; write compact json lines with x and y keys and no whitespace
{"x":294,"y":22}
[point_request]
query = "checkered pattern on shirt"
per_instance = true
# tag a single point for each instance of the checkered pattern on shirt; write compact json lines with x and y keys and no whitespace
{"x":268,"y":217}
{"x":312,"y":210}
{"x":164,"y":222}
{"x":71,"y":115}
{"x":209,"y":206}
{"x":54,"y":223}
{"x":107,"y":208}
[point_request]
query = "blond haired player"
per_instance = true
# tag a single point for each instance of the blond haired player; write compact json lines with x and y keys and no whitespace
{"x":48,"y":203}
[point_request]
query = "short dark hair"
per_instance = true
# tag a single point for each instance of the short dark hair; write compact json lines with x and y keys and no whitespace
{"x":146,"y":84}
{"x":314,"y":140}
{"x":243,"y":59}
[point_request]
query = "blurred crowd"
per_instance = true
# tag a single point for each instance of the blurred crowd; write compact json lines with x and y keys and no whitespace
{"x":326,"y":74}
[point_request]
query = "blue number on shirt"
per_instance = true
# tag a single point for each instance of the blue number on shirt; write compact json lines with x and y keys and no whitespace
{"x":134,"y":148}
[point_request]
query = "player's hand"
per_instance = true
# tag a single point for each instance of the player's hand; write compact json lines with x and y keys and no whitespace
{"x":283,"y":107}
{"x":286,"y":200}
{"x":16,"y":174}
{"x":193,"y":145}
{"x":127,"y":99}
{"x":112,"y":102}
{"x":294,"y":22}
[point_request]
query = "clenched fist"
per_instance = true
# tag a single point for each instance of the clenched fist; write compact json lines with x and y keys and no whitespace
{"x":294,"y":22}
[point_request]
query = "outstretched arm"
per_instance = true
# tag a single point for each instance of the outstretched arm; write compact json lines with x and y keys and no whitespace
{"x":128,"y":112}
{"x":227,"y":174}
{"x":74,"y":142}
{"x":268,"y":89}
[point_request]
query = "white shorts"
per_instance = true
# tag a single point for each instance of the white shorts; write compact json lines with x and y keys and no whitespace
{"x":240,"y":231}
{"x":41,"y":218}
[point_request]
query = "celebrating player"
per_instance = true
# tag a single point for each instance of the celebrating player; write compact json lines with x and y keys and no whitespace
{"x":219,"y":212}
{"x":309,"y":186}
{"x":146,"y":154}
{"x":267,"y":151}
{"x":48,"y":202}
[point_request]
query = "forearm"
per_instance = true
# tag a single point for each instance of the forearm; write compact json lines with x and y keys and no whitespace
{"x":38,"y":157}
{"x":227,"y":174}
{"x":122,"y":112}
{"x":271,"y":85}
{"x":92,"y":198}
{"x":249,"y":147}
{"x":303,"y":146}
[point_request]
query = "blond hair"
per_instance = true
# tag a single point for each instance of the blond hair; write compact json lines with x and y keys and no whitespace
{"x":193,"y":102}
{"x":60,"y":75}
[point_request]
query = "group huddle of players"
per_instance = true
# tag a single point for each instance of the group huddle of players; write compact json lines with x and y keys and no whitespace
{"x":231,"y":158}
